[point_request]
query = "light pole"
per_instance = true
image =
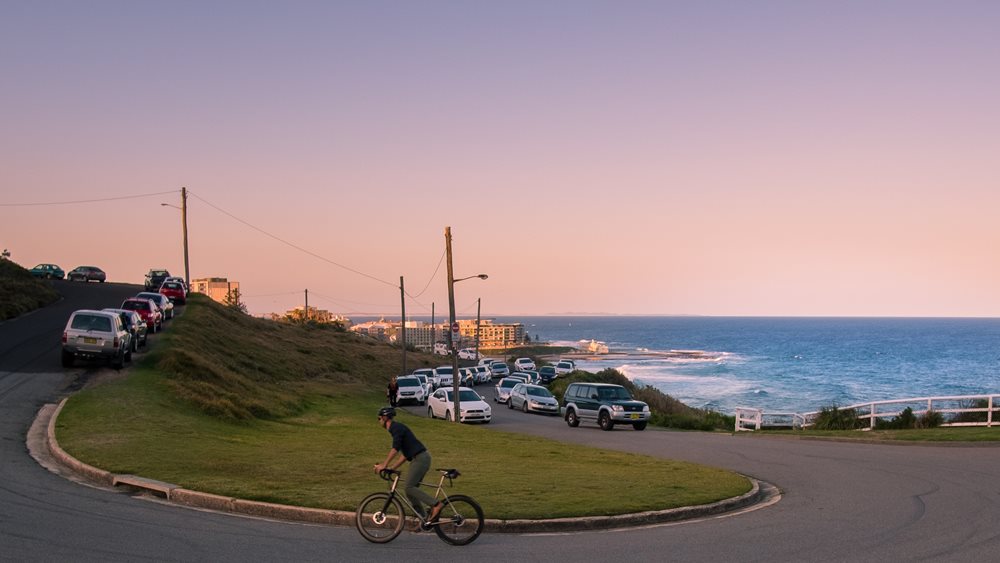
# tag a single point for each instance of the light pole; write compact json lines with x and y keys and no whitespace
{"x":184,"y":231}
{"x":452,"y":325}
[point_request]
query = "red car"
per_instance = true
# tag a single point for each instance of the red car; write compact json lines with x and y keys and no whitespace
{"x":147,"y":310}
{"x":174,"y":292}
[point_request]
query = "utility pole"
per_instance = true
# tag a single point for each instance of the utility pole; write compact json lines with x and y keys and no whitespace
{"x":402,"y":324}
{"x":434,"y":337}
{"x":184,"y":228}
{"x":457,"y":412}
{"x":477,"y":327}
{"x":306,"y":315}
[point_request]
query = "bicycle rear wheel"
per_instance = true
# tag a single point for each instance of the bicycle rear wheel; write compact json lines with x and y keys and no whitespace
{"x":380,"y":518}
{"x":461,"y":520}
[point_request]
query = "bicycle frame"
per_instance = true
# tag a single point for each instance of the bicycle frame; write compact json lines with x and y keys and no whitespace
{"x":439,"y":494}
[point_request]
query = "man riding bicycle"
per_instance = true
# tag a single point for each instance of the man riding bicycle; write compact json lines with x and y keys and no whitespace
{"x":406,"y":445}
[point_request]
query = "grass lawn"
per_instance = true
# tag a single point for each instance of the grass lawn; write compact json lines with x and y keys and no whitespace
{"x":323,"y":456}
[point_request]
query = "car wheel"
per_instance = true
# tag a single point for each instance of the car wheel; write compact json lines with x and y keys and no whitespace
{"x":510,"y":404}
{"x":524,"y":407}
{"x":639,"y":425}
{"x":128,"y":354}
{"x":119,"y":362}
{"x":67,"y":359}
{"x":571,"y":419}
{"x":604,"y":421}
{"x":447,"y":416}
{"x":430,"y":412}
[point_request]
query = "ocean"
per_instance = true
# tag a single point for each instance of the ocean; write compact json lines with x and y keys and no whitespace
{"x":788,"y":364}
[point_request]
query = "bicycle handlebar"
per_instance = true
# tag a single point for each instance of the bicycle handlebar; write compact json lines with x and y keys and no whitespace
{"x":388,"y":473}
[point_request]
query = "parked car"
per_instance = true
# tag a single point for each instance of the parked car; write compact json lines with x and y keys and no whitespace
{"x":547,"y":374}
{"x":474,"y":408}
{"x":499,"y":369}
{"x":96,"y":334}
{"x":445,"y":376}
{"x":148,"y":310}
{"x":535,"y":378}
{"x":432,"y":377}
{"x":482,"y":374}
{"x":86,"y":274}
{"x":425,"y":381}
{"x":135,"y":325}
{"x":502,"y":389}
{"x":604,"y":403}
{"x":178,"y":280}
{"x":520,"y":376}
{"x":563,"y":367}
{"x":48,"y":271}
{"x":162,"y":301}
{"x":468,"y":354}
{"x":441,"y":349}
{"x":523,"y":364}
{"x":486,"y":361}
{"x":154,"y":279}
{"x":410,"y":389}
{"x":533,"y":398}
{"x":174,"y":291}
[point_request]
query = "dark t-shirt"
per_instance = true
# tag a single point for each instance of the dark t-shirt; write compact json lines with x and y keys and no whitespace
{"x":403,"y":440}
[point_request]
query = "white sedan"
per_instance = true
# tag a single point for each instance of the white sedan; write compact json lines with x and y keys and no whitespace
{"x":441,"y":404}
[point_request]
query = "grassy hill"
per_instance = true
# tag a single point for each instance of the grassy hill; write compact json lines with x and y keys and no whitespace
{"x":242,"y":407}
{"x":21,"y":292}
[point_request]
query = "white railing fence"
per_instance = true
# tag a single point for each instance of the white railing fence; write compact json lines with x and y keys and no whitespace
{"x":957,"y":410}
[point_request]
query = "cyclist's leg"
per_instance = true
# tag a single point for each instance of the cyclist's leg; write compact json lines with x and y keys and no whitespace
{"x":419,"y":466}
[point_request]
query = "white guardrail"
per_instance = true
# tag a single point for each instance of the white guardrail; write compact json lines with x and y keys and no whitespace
{"x":951,"y":407}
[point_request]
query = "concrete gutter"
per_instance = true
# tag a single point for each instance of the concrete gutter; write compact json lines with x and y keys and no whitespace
{"x":47,"y":415}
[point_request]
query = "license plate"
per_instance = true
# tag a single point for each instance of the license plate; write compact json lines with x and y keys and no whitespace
{"x":634,"y":416}
{"x":90,"y":340}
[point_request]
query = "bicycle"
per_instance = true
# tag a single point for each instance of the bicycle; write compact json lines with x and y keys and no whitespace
{"x":381,"y":516}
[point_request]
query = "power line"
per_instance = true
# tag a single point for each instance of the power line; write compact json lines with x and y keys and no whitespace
{"x":295,"y":246}
{"x":434,"y":275}
{"x":46,"y":203}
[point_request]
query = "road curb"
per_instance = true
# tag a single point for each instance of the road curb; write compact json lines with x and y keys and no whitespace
{"x":196,"y":499}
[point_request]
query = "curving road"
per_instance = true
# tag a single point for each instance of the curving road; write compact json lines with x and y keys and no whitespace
{"x":841,"y":501}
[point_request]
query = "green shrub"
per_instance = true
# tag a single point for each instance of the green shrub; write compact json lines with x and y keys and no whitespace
{"x":972,"y":416}
{"x":930,"y":419}
{"x":904,"y":420}
{"x":21,"y":292}
{"x":833,"y":418}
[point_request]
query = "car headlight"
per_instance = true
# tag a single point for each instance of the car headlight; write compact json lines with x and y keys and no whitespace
{"x":617,"y":408}
{"x":645,"y":408}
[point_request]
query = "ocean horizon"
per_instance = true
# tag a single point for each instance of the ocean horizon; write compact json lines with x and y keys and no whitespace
{"x":786,"y":364}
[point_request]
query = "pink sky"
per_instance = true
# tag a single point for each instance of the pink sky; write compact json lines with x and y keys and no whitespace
{"x":713,"y":158}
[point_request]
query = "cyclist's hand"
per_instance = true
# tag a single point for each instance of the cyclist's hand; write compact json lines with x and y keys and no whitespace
{"x":379,"y":467}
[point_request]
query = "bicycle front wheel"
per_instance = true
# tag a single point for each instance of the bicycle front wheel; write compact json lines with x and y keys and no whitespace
{"x":461,"y":520}
{"x":380,"y":518}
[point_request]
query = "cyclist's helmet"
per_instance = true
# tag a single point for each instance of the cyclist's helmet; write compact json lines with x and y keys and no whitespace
{"x":387,"y":412}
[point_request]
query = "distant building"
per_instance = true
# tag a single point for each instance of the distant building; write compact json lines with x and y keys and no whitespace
{"x":216,"y":288}
{"x":492,"y":336}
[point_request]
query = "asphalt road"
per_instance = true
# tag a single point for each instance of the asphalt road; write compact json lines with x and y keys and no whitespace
{"x":840,"y":502}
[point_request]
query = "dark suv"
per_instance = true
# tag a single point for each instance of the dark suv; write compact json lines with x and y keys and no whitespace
{"x":605,"y":404}
{"x":154,"y":279}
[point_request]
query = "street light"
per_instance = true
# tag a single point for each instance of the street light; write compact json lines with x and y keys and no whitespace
{"x":452,"y":324}
{"x":184,"y":230}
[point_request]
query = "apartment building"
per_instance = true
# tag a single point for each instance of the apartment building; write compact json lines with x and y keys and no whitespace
{"x":216,"y":288}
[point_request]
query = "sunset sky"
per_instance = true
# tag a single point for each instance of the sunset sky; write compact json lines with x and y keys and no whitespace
{"x":706,"y":158}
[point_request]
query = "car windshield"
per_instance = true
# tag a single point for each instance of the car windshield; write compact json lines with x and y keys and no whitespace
{"x":613,"y":394}
{"x":444,"y":371}
{"x":499,"y":365}
{"x":539,"y":392}
{"x":408,"y":382}
{"x":508,"y":383}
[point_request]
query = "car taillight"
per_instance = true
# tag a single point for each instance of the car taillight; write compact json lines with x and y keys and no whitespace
{"x":115,"y":342}
{"x":65,"y":337}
